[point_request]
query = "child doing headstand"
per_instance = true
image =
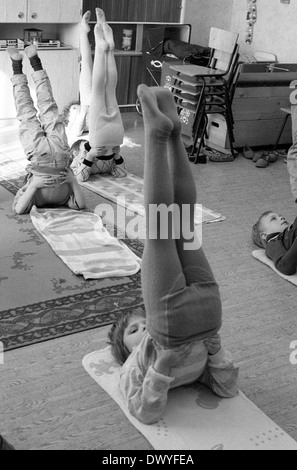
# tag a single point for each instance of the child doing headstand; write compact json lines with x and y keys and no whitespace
{"x":177,"y":341}
{"x":50,"y":181}
{"x":99,"y":110}
{"x":279,"y":239}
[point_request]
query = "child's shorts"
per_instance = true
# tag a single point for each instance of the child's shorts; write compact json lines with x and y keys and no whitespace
{"x":49,"y":164}
{"x":189,"y":313}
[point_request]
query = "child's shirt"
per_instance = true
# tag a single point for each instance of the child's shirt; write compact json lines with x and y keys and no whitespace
{"x":145,"y":390}
{"x":83,"y":169}
{"x":282,"y":250}
{"x":65,"y":198}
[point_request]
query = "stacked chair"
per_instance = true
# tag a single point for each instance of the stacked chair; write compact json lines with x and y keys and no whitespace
{"x":203,"y":91}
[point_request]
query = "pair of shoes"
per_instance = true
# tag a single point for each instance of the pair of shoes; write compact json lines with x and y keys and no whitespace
{"x":215,"y":156}
{"x":263,"y":159}
{"x":119,"y":171}
{"x":248,"y":153}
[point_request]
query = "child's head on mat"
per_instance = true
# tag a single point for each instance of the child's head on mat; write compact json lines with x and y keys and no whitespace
{"x":126,"y":334}
{"x":81,"y":147}
{"x":78,"y":149}
{"x":269,"y":223}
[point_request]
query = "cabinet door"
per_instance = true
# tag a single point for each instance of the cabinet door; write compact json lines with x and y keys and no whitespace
{"x":54,"y":11}
{"x":166,"y":11}
{"x":123,"y":67}
{"x":13,"y":11}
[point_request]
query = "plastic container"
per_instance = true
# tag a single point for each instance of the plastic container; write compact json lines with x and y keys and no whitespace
{"x":127,"y":39}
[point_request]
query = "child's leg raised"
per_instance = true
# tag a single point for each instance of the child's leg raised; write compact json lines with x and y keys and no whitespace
{"x":30,"y":131}
{"x":98,"y":104}
{"x":112,"y":107}
{"x":48,"y":109}
{"x":85,"y":79}
{"x":192,"y":303}
{"x":161,"y":267}
{"x":106,"y":128}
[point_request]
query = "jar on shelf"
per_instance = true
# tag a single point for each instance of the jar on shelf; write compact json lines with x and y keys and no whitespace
{"x":127,"y":39}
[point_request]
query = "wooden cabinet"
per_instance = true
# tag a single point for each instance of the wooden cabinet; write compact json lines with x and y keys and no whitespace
{"x":40,"y":11}
{"x":137,"y":16}
{"x":54,"y":11}
{"x":58,"y":19}
{"x":13,"y":11}
{"x":62,"y":68}
{"x":164,"y":11}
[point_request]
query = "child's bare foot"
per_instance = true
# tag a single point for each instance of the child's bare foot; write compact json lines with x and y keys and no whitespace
{"x":153,"y":116}
{"x":168,"y":107}
{"x":31,"y":51}
{"x":99,"y":37}
{"x":84,"y":24}
{"x":14,"y":53}
{"x":100,"y":16}
{"x":108,"y":35}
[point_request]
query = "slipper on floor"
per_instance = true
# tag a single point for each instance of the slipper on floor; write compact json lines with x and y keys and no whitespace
{"x":263,"y":162}
{"x":257,"y":157}
{"x":248,"y":153}
{"x":222,"y":158}
{"x":272,"y":157}
{"x":215,"y":156}
{"x":281,"y":153}
{"x":209,"y":152}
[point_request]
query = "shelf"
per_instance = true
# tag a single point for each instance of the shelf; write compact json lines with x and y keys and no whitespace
{"x":140,"y":22}
{"x":67,"y":48}
{"x":119,"y":53}
{"x":127,"y":53}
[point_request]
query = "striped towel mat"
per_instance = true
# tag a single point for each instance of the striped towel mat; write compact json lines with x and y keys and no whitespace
{"x":83,"y":244}
{"x":128,"y":192}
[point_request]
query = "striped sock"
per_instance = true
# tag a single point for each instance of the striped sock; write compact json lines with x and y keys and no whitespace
{"x":17,"y":66}
{"x":36,"y":63}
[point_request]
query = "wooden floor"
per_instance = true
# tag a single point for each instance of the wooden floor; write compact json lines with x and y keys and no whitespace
{"x":48,"y":401}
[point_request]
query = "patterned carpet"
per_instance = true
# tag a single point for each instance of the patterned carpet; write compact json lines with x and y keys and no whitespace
{"x":41,"y":298}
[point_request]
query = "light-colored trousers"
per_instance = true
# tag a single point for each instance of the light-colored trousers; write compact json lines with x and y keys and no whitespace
{"x":40,"y":134}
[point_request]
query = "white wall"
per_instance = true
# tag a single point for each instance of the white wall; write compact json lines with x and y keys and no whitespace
{"x":275,"y":30}
{"x":203,"y":14}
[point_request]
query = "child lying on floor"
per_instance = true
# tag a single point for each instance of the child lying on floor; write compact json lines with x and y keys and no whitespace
{"x":279,"y":239}
{"x":178,"y":341}
{"x":50,"y":181}
{"x":99,"y":111}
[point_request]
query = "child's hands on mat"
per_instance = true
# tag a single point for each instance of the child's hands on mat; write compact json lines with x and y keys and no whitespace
{"x":169,"y":358}
{"x":213,"y":344}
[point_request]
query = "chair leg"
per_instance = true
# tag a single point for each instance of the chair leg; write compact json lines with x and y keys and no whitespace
{"x":201,"y":141}
{"x":281,"y":131}
{"x":231,"y":135}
